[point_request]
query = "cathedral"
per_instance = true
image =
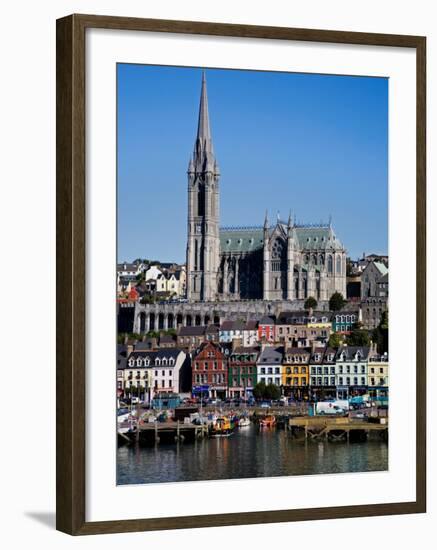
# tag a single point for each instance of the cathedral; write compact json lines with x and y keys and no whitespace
{"x":281,"y":261}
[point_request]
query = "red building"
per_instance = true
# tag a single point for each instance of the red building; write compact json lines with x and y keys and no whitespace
{"x":209,"y":372}
{"x":266,"y":330}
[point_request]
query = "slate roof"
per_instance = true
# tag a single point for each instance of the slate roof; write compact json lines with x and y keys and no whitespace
{"x":169,"y":353}
{"x":121,"y":356}
{"x":266,"y":321}
{"x":302,"y":317}
{"x":350,"y":352}
{"x":238,"y":325}
{"x":192,"y":331}
{"x":271,"y":355}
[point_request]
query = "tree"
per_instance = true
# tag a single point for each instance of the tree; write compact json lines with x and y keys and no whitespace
{"x":335,"y":340}
{"x":358,"y":337}
{"x":336,"y":302}
{"x":310,"y":302}
{"x":380,"y":334}
{"x":259,"y":390}
{"x":272,"y":392}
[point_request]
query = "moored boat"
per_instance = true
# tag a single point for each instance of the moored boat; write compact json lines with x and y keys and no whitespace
{"x":222,"y":427}
{"x":244,"y":422}
{"x":267,"y":421}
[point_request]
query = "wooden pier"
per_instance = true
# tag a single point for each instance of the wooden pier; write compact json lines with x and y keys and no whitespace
{"x":337,"y":429}
{"x":153,"y":432}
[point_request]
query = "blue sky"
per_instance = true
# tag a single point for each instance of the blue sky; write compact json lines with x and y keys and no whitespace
{"x":315,"y":144}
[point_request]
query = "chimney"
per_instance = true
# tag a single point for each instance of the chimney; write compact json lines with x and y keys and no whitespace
{"x":129,"y":348}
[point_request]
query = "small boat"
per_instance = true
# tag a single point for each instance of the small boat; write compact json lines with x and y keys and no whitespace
{"x":244,"y":422}
{"x":222,"y":427}
{"x":267,"y":421}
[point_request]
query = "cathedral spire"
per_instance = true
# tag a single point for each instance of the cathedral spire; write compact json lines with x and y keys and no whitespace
{"x":203,"y":150}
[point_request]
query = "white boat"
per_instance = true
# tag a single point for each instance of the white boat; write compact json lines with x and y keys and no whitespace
{"x":243,"y":422}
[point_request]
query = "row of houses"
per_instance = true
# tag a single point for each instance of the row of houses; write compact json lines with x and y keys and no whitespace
{"x":295,"y":328}
{"x":222,"y":370}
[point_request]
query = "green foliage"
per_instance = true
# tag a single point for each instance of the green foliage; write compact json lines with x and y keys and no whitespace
{"x":310,"y":302}
{"x":336,"y":302}
{"x":358,"y":337}
{"x":271,"y":391}
{"x":148,"y":299}
{"x":335,"y":340}
{"x":380,"y":334}
{"x":259,"y":390}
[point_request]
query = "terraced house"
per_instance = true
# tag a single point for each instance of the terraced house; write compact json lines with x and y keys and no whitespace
{"x":242,"y":374}
{"x":154,"y":372}
{"x":302,"y":328}
{"x":243,"y":331}
{"x":295,"y":372}
{"x":269,"y":365}
{"x":210,"y":370}
{"x":323,"y":382}
{"x":351,"y":371}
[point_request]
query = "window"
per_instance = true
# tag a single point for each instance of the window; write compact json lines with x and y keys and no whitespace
{"x":163,"y":373}
{"x":340,"y":380}
{"x":332,"y":380}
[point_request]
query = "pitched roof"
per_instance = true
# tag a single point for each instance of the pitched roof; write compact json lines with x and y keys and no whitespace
{"x":266,"y":321}
{"x":351,"y":351}
{"x":382,"y":268}
{"x":192,"y":331}
{"x":271,"y":354}
{"x":153,"y":355}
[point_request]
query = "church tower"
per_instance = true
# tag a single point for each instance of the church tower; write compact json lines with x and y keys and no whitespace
{"x":203,"y":243}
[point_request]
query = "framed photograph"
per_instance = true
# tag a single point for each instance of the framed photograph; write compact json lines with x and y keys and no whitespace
{"x":241,"y":271}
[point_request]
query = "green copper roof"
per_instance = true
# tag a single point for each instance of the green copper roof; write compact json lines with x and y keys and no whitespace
{"x":317,"y":238}
{"x":241,"y":239}
{"x":248,"y":239}
{"x":381,"y":267}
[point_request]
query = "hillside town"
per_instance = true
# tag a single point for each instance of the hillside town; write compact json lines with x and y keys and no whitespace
{"x":306,"y":354}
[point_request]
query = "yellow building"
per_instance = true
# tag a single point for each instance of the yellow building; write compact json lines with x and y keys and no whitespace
{"x":378,"y":376}
{"x":295,"y":372}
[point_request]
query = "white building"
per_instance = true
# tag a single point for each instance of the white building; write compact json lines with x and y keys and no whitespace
{"x":351,"y":367}
{"x":269,"y":365}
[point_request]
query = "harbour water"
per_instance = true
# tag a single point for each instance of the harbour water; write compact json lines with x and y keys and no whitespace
{"x":247,"y":453}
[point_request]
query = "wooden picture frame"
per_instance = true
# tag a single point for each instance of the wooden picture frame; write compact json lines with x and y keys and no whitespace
{"x":71,"y":247}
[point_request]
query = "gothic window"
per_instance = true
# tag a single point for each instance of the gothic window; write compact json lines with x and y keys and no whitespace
{"x":278,"y":256}
{"x":338,"y":264}
{"x":330,"y":264}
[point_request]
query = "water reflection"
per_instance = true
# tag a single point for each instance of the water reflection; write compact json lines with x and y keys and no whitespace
{"x":247,"y":453}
